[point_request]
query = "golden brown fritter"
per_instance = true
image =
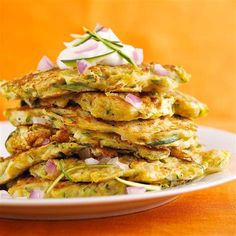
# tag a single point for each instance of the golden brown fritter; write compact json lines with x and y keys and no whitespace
{"x":162,"y":131}
{"x":15,"y":165}
{"x":114,"y":107}
{"x":124,"y":78}
{"x":82,"y":172}
{"x":20,"y":141}
{"x":66,"y":189}
{"x":168,"y":171}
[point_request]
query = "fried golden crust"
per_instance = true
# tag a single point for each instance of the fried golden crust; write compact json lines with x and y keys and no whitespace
{"x":114,"y":107}
{"x":169,"y":170}
{"x":83,"y":173}
{"x":27,"y":137}
{"x":145,"y":132}
{"x":103,"y":144}
{"x":15,"y":165}
{"x":124,"y":78}
{"x":66,"y":189}
{"x":166,"y":173}
{"x":188,"y":106}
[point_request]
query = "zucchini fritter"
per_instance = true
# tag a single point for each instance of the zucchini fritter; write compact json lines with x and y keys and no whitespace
{"x":215,"y":160}
{"x":164,"y":131}
{"x":26,"y":137}
{"x":15,"y":165}
{"x":113,"y":106}
{"x":188,"y":106}
{"x":124,"y":78}
{"x":168,"y":171}
{"x":84,"y":173}
{"x":67,"y":189}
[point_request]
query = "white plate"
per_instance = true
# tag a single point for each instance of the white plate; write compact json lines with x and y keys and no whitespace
{"x":96,"y":207}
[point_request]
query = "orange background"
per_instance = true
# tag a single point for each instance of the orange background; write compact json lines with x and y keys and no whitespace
{"x":198,"y":34}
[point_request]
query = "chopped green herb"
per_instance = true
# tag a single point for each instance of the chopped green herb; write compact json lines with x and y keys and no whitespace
{"x":54,"y":183}
{"x":82,"y":166}
{"x":89,"y":59}
{"x":63,"y":171}
{"x":82,"y":41}
{"x":110,"y":45}
{"x":87,"y":37}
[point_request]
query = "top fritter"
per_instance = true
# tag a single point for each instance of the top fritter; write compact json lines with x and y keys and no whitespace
{"x":123,"y":78}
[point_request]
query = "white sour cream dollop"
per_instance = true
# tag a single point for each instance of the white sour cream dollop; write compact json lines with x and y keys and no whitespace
{"x":93,"y":48}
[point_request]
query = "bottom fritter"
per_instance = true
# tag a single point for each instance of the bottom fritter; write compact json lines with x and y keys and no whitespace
{"x":72,"y":177}
{"x":25,"y":188}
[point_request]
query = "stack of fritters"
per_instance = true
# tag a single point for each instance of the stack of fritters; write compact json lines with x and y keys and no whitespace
{"x":82,"y":134}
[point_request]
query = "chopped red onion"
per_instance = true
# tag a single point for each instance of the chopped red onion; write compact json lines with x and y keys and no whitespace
{"x":36,"y":194}
{"x":115,"y":161}
{"x":138,"y":56}
{"x":87,"y":46}
{"x":82,"y":66}
{"x":4,"y":194}
{"x":135,"y":190}
{"x":51,"y":168}
{"x":45,"y":64}
{"x":133,"y":100}
{"x":91,"y":161}
{"x":46,"y":141}
{"x":160,"y":70}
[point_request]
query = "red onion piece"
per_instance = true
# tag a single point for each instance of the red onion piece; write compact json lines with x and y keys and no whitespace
{"x":45,"y":64}
{"x":46,"y":141}
{"x":82,"y":66}
{"x":135,"y":190}
{"x":133,"y":100}
{"x":138,"y":56}
{"x":4,"y":194}
{"x":51,"y":168}
{"x":91,"y":161}
{"x":36,"y":194}
{"x":87,"y":46}
{"x":115,"y":161}
{"x":160,"y":70}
